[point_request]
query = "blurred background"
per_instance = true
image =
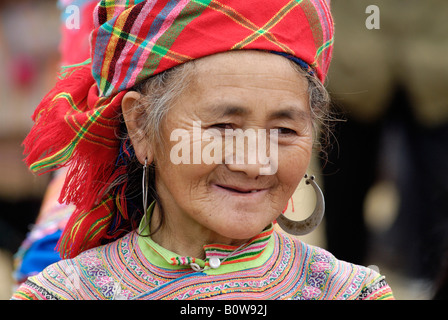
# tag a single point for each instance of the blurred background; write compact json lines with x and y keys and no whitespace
{"x":384,"y":174}
{"x":29,"y":61}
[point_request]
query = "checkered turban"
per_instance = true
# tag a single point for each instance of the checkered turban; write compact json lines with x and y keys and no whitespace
{"x":76,"y":124}
{"x":134,"y":41}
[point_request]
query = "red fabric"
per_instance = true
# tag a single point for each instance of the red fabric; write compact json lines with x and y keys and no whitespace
{"x":75,"y":46}
{"x":75,"y":128}
{"x":205,"y":37}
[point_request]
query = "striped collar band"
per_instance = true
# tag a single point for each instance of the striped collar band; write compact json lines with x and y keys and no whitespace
{"x":230,"y":254}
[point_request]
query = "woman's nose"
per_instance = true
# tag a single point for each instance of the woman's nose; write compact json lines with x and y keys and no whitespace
{"x":251,"y":156}
{"x":251,"y":170}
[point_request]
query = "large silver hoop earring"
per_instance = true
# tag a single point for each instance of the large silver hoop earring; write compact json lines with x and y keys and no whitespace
{"x":145,"y":186}
{"x":300,"y":228}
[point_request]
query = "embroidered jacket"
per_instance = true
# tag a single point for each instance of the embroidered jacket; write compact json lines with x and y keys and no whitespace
{"x":272,"y":265}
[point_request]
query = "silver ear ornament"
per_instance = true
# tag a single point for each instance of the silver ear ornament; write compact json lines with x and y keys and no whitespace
{"x":145,"y":186}
{"x":300,"y":228}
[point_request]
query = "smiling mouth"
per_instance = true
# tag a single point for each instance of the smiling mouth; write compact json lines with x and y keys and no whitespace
{"x":239,"y":190}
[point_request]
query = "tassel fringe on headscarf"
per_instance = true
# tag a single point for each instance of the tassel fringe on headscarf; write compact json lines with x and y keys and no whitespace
{"x":75,"y":128}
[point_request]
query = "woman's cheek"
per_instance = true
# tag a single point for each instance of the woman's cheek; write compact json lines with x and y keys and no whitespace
{"x":292,"y":165}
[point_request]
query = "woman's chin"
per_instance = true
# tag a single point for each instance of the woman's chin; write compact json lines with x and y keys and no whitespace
{"x":239,"y":225}
{"x":241,"y":206}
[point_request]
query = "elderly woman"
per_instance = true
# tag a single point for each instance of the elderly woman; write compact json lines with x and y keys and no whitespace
{"x":172,"y":201}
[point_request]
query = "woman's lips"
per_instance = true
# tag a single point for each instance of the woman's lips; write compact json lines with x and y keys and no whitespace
{"x":239,"y":190}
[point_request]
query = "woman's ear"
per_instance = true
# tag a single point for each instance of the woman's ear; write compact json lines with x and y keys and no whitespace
{"x":131,"y":117}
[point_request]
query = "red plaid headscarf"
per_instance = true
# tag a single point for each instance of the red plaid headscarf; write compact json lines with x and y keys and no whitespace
{"x":77,"y":123}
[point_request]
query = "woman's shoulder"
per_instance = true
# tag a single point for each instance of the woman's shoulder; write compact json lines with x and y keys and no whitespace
{"x":72,"y":279}
{"x":326,"y":277}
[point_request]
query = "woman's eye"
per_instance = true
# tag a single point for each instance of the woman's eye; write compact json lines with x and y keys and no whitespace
{"x":222,"y":126}
{"x":286,"y":131}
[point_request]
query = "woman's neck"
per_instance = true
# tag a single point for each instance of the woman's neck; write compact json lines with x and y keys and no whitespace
{"x":184,"y":237}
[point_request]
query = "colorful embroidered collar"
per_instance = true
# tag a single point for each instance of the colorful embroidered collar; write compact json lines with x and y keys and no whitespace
{"x":231,"y":258}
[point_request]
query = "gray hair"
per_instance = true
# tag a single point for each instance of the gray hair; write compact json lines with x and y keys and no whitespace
{"x":158,"y":93}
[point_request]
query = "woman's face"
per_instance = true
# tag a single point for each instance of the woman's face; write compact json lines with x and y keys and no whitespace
{"x":200,"y":189}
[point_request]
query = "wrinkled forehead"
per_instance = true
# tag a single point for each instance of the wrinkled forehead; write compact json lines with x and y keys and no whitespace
{"x":246,"y":69}
{"x":243,"y":84}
